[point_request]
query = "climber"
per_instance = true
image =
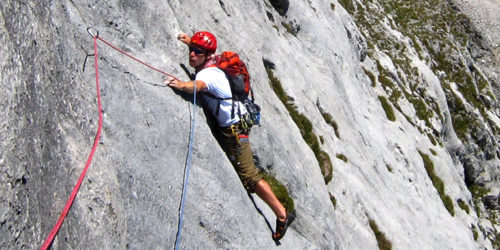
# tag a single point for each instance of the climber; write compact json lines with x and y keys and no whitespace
{"x":214,"y":86}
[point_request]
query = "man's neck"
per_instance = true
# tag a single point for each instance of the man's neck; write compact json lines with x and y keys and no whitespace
{"x":207,"y":63}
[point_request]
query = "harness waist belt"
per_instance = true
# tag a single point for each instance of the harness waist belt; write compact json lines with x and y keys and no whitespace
{"x":235,"y":130}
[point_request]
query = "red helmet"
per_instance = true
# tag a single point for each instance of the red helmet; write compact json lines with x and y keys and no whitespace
{"x":205,"y":40}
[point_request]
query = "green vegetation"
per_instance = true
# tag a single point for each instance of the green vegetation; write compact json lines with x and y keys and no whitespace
{"x":325,"y":165}
{"x":348,"y":5}
{"x":383,"y":78}
{"x":371,"y":76}
{"x":280,"y":191}
{"x":290,"y":28}
{"x":305,"y":126}
{"x":439,"y":34}
{"x":342,"y":157}
{"x":475,"y":234}
{"x":478,"y":193}
{"x":433,"y":152}
{"x":328,"y":119}
{"x":441,"y":37}
{"x":463,"y":121}
{"x":333,"y":200}
{"x":287,"y":26}
{"x":496,"y":243}
{"x":433,"y":141}
{"x":383,"y":242}
{"x":438,"y":183}
{"x":463,"y":205}
{"x":389,"y":168}
{"x":276,"y":28}
{"x":423,"y":113}
{"x":494,"y":218}
{"x":389,"y":112}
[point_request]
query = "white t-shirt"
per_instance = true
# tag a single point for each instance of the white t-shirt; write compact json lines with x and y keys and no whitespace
{"x":218,"y":85}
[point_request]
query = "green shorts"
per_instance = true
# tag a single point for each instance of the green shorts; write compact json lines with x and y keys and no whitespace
{"x":240,"y":154}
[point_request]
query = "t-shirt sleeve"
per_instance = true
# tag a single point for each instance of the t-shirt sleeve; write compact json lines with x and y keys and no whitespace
{"x":211,"y":78}
{"x":203,"y":76}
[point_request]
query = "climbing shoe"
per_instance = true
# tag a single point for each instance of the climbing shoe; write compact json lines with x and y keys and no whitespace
{"x":281,"y":226}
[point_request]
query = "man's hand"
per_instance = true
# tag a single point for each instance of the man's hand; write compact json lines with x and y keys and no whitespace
{"x":185,"y":86}
{"x":172,"y":82}
{"x":185,"y":38}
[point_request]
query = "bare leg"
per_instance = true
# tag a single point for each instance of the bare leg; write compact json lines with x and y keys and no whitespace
{"x":264,"y":191}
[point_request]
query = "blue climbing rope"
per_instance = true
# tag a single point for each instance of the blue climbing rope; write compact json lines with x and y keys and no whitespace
{"x":186,"y":171}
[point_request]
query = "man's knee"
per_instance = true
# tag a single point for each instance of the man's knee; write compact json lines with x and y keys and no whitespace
{"x":251,"y":183}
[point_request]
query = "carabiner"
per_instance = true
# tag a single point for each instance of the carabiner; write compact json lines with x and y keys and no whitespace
{"x":89,"y":30}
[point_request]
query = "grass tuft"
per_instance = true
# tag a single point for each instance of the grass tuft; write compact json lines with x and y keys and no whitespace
{"x":305,"y":126}
{"x":463,"y":205}
{"x":372,"y":77}
{"x":333,"y":200}
{"x":389,"y":111}
{"x":280,"y":191}
{"x":389,"y":168}
{"x":383,"y":242}
{"x":328,"y":119}
{"x":438,"y":183}
{"x":342,"y":157}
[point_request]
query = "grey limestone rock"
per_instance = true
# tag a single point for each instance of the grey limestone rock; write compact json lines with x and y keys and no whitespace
{"x":130,"y":196}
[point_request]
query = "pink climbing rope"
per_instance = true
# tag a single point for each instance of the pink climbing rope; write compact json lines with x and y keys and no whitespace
{"x":65,"y":211}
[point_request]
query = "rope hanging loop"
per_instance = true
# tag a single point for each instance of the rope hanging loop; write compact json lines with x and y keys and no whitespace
{"x":95,"y":35}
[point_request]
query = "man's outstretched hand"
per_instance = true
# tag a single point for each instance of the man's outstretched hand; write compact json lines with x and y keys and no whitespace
{"x":185,"y":38}
{"x":172,"y":82}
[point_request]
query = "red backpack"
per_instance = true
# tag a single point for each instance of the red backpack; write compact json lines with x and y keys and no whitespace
{"x":237,"y":74}
{"x":239,"y":81}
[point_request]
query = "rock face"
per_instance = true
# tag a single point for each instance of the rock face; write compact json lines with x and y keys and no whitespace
{"x":413,"y":149}
{"x":483,"y":15}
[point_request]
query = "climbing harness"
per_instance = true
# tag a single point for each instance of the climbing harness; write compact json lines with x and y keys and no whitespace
{"x":95,"y":35}
{"x":238,"y":130}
